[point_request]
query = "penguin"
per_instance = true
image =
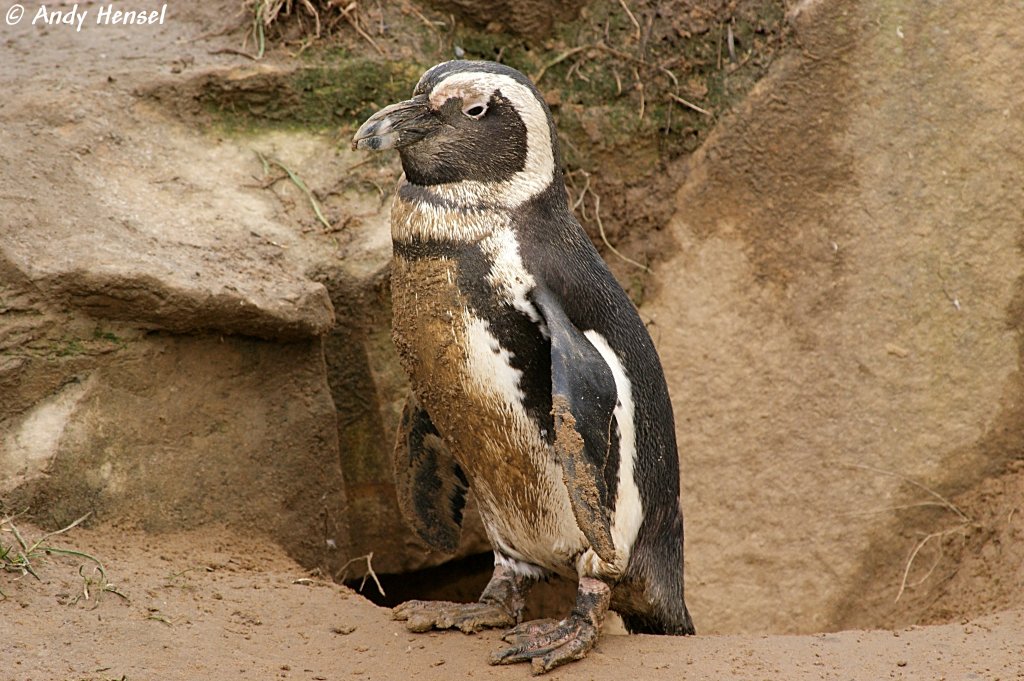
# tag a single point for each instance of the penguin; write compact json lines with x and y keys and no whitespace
{"x":535,"y":383}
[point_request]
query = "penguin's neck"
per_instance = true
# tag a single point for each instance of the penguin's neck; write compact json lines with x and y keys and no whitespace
{"x":422,"y":213}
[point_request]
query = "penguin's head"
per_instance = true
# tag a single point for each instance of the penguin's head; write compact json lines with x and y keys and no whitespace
{"x":473,"y":129}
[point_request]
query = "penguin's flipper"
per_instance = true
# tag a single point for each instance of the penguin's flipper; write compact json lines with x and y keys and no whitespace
{"x":430,"y":484}
{"x":583,"y":398}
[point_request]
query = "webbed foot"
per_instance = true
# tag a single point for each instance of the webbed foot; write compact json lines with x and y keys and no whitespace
{"x":467,"y":617}
{"x":528,"y":631}
{"x":500,"y":605}
{"x":548,"y":644}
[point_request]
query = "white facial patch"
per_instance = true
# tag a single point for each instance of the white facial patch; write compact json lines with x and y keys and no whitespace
{"x":470,"y":93}
{"x":537,"y":172}
{"x":629,"y":510}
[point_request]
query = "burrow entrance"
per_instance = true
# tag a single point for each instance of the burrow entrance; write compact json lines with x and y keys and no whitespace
{"x":461,"y":581}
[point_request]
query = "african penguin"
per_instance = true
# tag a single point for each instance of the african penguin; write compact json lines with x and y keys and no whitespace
{"x":535,"y":382}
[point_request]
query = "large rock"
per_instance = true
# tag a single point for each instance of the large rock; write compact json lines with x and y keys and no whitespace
{"x":179,"y":432}
{"x":162,"y":230}
{"x":139,"y":270}
{"x":841,"y":324}
{"x":169,"y":352}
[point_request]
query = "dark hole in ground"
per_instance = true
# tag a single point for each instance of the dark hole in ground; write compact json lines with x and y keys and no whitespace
{"x":462,"y":581}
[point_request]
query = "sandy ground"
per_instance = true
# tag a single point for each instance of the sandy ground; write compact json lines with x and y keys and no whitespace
{"x":216,"y":606}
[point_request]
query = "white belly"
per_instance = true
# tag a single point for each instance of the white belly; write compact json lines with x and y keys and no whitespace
{"x":466,"y":381}
{"x":543,"y":531}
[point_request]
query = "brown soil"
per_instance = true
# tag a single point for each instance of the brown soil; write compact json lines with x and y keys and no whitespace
{"x":964,"y":559}
{"x":216,"y":605}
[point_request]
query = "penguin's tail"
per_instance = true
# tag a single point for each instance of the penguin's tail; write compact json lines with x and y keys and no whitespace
{"x":660,"y":626}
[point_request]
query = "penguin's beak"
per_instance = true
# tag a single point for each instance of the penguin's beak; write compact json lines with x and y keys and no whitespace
{"x":397,"y":126}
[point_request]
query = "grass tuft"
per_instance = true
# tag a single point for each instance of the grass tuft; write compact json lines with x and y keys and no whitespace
{"x":22,"y":556}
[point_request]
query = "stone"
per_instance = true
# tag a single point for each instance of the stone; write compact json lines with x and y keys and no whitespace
{"x":841,"y":323}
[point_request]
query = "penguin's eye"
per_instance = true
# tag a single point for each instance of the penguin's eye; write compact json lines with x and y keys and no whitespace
{"x":475,"y":111}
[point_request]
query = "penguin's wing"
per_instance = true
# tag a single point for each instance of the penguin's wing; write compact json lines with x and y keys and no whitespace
{"x":583,"y":398}
{"x":431,"y":486}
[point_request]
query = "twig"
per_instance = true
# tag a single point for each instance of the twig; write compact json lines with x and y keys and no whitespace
{"x":640,"y":89}
{"x":304,"y":45}
{"x":62,"y":530}
{"x":316,"y":15}
{"x":636,"y":60}
{"x":913,"y":555}
{"x":17,"y":535}
{"x":258,"y":20}
{"x":269,"y":9}
{"x":77,"y":554}
{"x":577,"y":70}
{"x":231,"y":50}
{"x":583,"y":193}
{"x":743,"y":62}
{"x":955,"y":300}
{"x":297,"y":181}
{"x":265,"y":13}
{"x":426,"y":22}
{"x":672,"y":76}
{"x":557,"y":60}
{"x":718,"y":64}
{"x":945,"y":502}
{"x":369,"y":572}
{"x":600,"y":228}
{"x":349,"y":13}
{"x":110,"y":588}
{"x":369,"y":159}
{"x":890,"y":509}
{"x":690,"y":105}
{"x":263,"y":160}
{"x":632,"y":18}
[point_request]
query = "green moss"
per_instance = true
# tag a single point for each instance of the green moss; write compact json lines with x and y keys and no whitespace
{"x":68,"y":347}
{"x":74,"y":346}
{"x":346,"y":90}
{"x":99,"y":334}
{"x":325,"y":92}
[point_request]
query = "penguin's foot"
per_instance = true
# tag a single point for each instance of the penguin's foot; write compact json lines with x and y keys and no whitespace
{"x":467,"y":617}
{"x":527,"y":631}
{"x":500,"y":605}
{"x":548,"y":644}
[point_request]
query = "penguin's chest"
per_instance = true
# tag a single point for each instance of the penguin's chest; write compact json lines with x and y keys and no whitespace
{"x":480,"y":367}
